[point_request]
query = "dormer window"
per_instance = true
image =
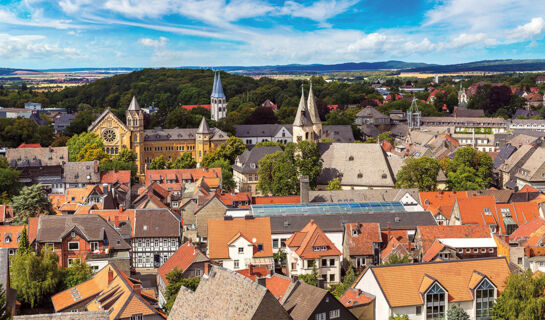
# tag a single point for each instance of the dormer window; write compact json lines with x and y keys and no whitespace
{"x":485,"y":295}
{"x":435,"y":302}
{"x":320,"y":248}
{"x":487,"y":212}
{"x":351,"y":158}
{"x":360,"y":175}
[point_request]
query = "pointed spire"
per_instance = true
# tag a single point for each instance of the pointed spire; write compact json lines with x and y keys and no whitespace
{"x":203,"y":127}
{"x":214,"y":85}
{"x":134,"y":106}
{"x":217,"y":91}
{"x":311,"y":106}
{"x":302,"y":117}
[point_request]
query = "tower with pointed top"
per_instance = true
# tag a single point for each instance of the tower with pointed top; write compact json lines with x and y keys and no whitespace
{"x":202,"y":140}
{"x":314,"y":115}
{"x":303,"y":126}
{"x":135,"y":123}
{"x":218,"y":101}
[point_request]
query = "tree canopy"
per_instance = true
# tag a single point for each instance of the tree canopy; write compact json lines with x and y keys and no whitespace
{"x":469,"y":170}
{"x":418,"y":173}
{"x":87,"y":146}
{"x":522,"y":298}
{"x":175,"y":281}
{"x":31,"y":201}
{"x":76,"y":273}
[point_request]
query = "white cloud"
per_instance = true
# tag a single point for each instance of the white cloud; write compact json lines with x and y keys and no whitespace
{"x":148,"y":42}
{"x":321,"y":10}
{"x":36,"y":20}
{"x":73,"y":6}
{"x":532,"y":30}
{"x":19,"y":47}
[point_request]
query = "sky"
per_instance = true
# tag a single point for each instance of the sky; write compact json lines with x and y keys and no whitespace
{"x":42,"y":34}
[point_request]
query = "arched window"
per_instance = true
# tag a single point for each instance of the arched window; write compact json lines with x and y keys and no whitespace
{"x":484,"y":299}
{"x":435,"y":302}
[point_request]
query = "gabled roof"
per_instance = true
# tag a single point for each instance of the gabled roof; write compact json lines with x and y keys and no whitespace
{"x":134,"y":106}
{"x":478,"y":210}
{"x":182,"y":259}
{"x":525,"y":230}
{"x":428,"y":234}
{"x":378,"y":195}
{"x":9,"y":236}
{"x":433,"y":251}
{"x":302,"y":116}
{"x":217,"y":89}
{"x":102,"y":116}
{"x":532,"y":166}
{"x":360,"y":238}
{"x":401,"y":284}
{"x":355,"y":298}
{"x":37,"y":157}
{"x":221,"y":231}
{"x":276,"y":200}
{"x":248,"y":161}
{"x":113,"y":176}
{"x":276,"y":283}
{"x":310,"y":237}
{"x":432,"y":200}
{"x":150,"y":223}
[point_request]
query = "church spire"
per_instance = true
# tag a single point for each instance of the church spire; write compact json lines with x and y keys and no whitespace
{"x":217,"y":91}
{"x":214,"y":85}
{"x":311,"y":106}
{"x":203,"y":127}
{"x":134,"y":106}
{"x":302,"y":117}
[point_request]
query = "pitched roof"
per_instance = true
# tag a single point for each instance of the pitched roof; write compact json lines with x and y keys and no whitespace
{"x":221,"y":231}
{"x":203,"y":126}
{"x":210,"y":176}
{"x":338,"y":133}
{"x":37,"y":157}
{"x":500,"y":196}
{"x":9,"y":236}
{"x":532,"y":165}
{"x":156,"y":223}
{"x":302,"y":116}
{"x":428,"y":234}
{"x":113,"y":176}
{"x":355,"y":298}
{"x":276,"y":200}
{"x":455,"y":276}
{"x":432,"y":200}
{"x":516,"y":158}
{"x":310,"y":237}
{"x":225,"y":294}
{"x":378,"y":195}
{"x":351,"y":161}
{"x":134,"y":106}
{"x":183,"y":258}
{"x":525,"y":230}
{"x":81,"y":172}
{"x":433,"y":251}
{"x":248,"y":161}
{"x":360,"y":238}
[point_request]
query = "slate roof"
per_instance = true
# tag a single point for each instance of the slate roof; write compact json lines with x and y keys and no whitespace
{"x":260,"y":130}
{"x":159,"y":134}
{"x":522,"y":139}
{"x":248,"y":161}
{"x":405,"y":220}
{"x":363,"y":195}
{"x":370,"y":130}
{"x":399,"y":130}
{"x":225,"y":294}
{"x":91,"y":227}
{"x":63,"y":121}
{"x":457,"y":277}
{"x":515,"y":158}
{"x":370,"y":112}
{"x":351,"y":162}
{"x":503,"y":155}
{"x":82,"y":172}
{"x":155,"y":223}
{"x":38,"y":157}
{"x":338,"y":133}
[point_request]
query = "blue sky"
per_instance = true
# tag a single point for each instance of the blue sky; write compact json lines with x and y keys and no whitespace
{"x":170,"y":33}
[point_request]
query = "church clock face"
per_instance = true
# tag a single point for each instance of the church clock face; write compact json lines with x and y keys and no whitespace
{"x":109,"y":135}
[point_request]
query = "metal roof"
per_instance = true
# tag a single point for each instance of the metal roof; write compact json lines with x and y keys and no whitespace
{"x":338,"y":207}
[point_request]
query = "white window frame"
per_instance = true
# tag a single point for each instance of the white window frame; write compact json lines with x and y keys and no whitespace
{"x":236,"y":264}
{"x":320,"y":316}
{"x":94,"y":244}
{"x":334,"y":314}
{"x":71,"y":243}
{"x":240,"y":250}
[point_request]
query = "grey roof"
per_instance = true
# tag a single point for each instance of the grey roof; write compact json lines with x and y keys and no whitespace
{"x":469,"y":113}
{"x":80,"y":315}
{"x":217,"y":89}
{"x":203,"y":126}
{"x":311,"y":106}
{"x":81,"y":172}
{"x":248,"y":161}
{"x":401,"y":220}
{"x":522,"y":139}
{"x":352,"y":162}
{"x":91,"y":227}
{"x":370,"y":130}
{"x":362,"y":195}
{"x":225,"y":294}
{"x":528,"y":122}
{"x":477,"y":122}
{"x":503,"y":155}
{"x":515,"y":158}
{"x":370,"y":112}
{"x":399,"y":130}
{"x":63,"y":120}
{"x":37,"y":157}
{"x":500,"y":196}
{"x":302,"y":300}
{"x":261,"y":130}
{"x":421,"y":137}
{"x":155,"y":223}
{"x":159,"y":134}
{"x":338,"y":133}
{"x":532,"y":165}
{"x":134,"y":106}
{"x":4,"y":267}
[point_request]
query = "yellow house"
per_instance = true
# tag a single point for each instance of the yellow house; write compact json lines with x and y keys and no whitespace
{"x":152,"y":143}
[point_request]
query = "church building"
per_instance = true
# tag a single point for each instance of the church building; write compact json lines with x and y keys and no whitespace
{"x":152,"y":143}
{"x":307,"y":125}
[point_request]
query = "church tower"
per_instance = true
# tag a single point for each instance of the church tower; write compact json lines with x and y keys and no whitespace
{"x":135,"y":123}
{"x":218,"y":102}
{"x":202,"y":145}
{"x":303,"y":128}
{"x":314,"y":115}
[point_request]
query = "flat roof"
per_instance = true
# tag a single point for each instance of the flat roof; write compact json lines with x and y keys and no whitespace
{"x":337,"y":207}
{"x":469,"y":242}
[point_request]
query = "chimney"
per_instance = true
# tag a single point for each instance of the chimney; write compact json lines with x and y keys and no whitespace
{"x":116,"y":219}
{"x":304,"y":189}
{"x":262,"y":281}
{"x":137,"y":288}
{"x":389,"y":227}
{"x":206,"y":268}
{"x":110,"y":276}
{"x":120,"y":208}
{"x":96,"y":166}
{"x":50,"y":149}
{"x":251,"y":269}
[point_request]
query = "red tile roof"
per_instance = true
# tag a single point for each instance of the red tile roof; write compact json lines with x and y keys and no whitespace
{"x":9,"y":236}
{"x":311,"y":236}
{"x":188,"y":107}
{"x":355,"y":297}
{"x":113,"y":176}
{"x":361,"y":236}
{"x":528,"y":188}
{"x":525,"y":230}
{"x":182,"y":259}
{"x":432,"y":252}
{"x":428,"y":234}
{"x":475,"y":211}
{"x":276,"y":200}
{"x":229,"y":198}
{"x":29,"y":145}
{"x":432,"y":200}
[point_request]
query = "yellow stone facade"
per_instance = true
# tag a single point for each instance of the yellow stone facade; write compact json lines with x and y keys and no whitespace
{"x":150,"y":144}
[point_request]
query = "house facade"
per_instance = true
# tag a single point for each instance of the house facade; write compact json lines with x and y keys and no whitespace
{"x":246,"y":167}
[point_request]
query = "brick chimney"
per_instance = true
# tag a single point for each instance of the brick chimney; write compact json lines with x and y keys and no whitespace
{"x":110,"y":276}
{"x":206,"y":268}
{"x":120,"y":208}
{"x":116,"y":219}
{"x":304,"y":186}
{"x":137,"y":288}
{"x":251,"y":268}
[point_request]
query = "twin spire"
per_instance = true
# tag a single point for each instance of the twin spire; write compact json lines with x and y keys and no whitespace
{"x":307,"y":113}
{"x":217,"y":89}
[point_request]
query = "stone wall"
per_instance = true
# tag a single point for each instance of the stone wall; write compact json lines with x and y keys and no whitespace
{"x":90,"y":315}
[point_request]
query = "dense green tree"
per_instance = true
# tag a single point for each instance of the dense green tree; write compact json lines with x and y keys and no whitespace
{"x":9,"y":184}
{"x":334,"y":184}
{"x":455,"y":312}
{"x":3,"y":163}
{"x":81,"y":122}
{"x":310,"y":278}
{"x":419,"y":173}
{"x":469,"y":170}
{"x":228,"y":150}
{"x":396,"y":259}
{"x":262,"y":115}
{"x":5,"y":313}
{"x":175,"y":281}
{"x":185,"y":161}
{"x":386,"y":136}
{"x":60,"y":141}
{"x":522,"y":298}
{"x":14,"y":132}
{"x":24,"y":243}
{"x":179,"y":117}
{"x":348,"y":280}
{"x":399,"y":317}
{"x":31,"y":201}
{"x":77,"y":273}
{"x":35,"y":277}
{"x":86,"y":146}
{"x":339,"y":117}
{"x":158,"y":163}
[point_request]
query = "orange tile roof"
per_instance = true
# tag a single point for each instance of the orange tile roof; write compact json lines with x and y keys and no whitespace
{"x":11,"y":232}
{"x":276,"y":200}
{"x":113,"y":176}
{"x":32,"y":228}
{"x":220,"y":231}
{"x":181,"y":260}
{"x":308,"y":238}
{"x":525,"y":230}
{"x":401,"y":284}
{"x":432,"y":200}
{"x":355,"y":297}
{"x":362,"y":243}
{"x":525,"y":211}
{"x":428,"y":234}
{"x":276,"y":284}
{"x":528,"y":188}
{"x":228,"y":198}
{"x":433,"y":251}
{"x":212,"y":176}
{"x":536,"y":237}
{"x":472,"y":211}
{"x":29,"y":145}
{"x":254,"y":272}
{"x":395,"y":246}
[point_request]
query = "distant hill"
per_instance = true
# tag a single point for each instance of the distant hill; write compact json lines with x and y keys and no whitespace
{"x":486,"y":66}
{"x":10,"y":71}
